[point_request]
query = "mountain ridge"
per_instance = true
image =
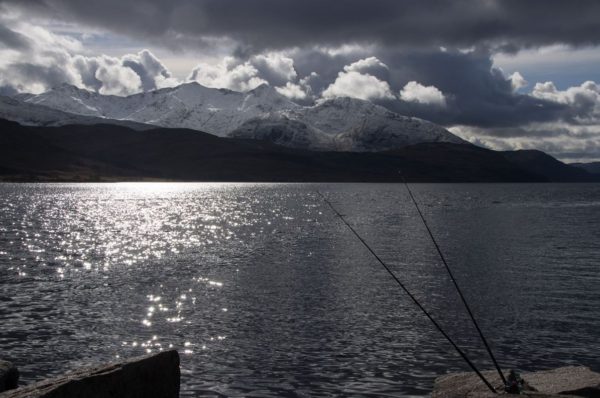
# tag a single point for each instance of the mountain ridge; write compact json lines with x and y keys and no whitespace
{"x":339,"y":124}
{"x":590,"y":167}
{"x":105,"y":152}
{"x":33,"y":114}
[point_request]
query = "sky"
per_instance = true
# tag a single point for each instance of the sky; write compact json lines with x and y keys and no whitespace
{"x":512,"y":74}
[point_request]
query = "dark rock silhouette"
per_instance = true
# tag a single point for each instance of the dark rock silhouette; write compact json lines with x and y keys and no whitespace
{"x":9,"y":376}
{"x":148,"y":376}
{"x":116,"y":153}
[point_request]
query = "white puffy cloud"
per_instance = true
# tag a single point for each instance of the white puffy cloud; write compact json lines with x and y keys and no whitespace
{"x":301,"y":91}
{"x":517,"y":81}
{"x":44,"y":60}
{"x":587,"y":90}
{"x":358,"y":85}
{"x":276,"y":68}
{"x":126,"y":75}
{"x":292,"y":91}
{"x":366,"y":65}
{"x":583,"y":100}
{"x":346,"y":49}
{"x":416,"y":92}
{"x":357,"y":81}
{"x":272,"y":68}
{"x":229,"y":73}
{"x":116,"y":79}
{"x":51,"y":59}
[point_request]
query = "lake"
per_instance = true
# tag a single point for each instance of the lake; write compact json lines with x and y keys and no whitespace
{"x":265,"y":292}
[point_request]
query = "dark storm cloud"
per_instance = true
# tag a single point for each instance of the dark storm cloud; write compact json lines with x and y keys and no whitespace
{"x":476,"y":93}
{"x":326,"y":65}
{"x":273,"y":24}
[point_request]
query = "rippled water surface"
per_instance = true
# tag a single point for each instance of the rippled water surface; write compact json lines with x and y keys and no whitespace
{"x":265,"y":292}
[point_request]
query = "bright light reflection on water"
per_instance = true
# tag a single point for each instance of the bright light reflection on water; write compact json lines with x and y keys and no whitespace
{"x":265,"y":293}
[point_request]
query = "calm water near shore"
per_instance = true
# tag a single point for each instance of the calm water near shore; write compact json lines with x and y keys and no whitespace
{"x":266,"y":293}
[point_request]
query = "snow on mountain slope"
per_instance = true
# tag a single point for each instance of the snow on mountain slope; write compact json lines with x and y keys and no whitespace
{"x":215,"y":111}
{"x":363,"y":126}
{"x":282,"y":130}
{"x":344,"y":124}
{"x":31,"y":114}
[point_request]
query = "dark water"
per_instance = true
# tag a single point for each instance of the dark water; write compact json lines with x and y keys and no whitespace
{"x":266,"y":293}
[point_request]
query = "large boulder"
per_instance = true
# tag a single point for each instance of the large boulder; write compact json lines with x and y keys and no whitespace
{"x":148,"y":376}
{"x":9,"y":376}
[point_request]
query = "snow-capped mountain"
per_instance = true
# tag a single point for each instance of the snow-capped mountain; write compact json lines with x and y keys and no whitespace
{"x":342,"y":124}
{"x":286,"y":131}
{"x":345,"y":124}
{"x":31,"y":114}
{"x":191,"y":105}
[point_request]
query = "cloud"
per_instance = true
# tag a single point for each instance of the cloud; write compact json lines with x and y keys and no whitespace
{"x":566,"y":142}
{"x":275,"y":24}
{"x":14,"y":40}
{"x":416,"y":92}
{"x":302,"y":92}
{"x":292,"y":91}
{"x":583,"y":101}
{"x":228,"y":74}
{"x":517,"y":81}
{"x":358,"y":85}
{"x":116,"y":79}
{"x":43,"y":62}
{"x":371,"y":66}
{"x":45,"y":59}
{"x":238,"y":74}
{"x":573,"y":135}
{"x":352,"y":82}
{"x":275,"y":68}
{"x":152,"y":72}
{"x":476,"y":93}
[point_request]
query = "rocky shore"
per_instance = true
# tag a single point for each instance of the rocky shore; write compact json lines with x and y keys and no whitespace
{"x":570,"y":381}
{"x":158,"y":376}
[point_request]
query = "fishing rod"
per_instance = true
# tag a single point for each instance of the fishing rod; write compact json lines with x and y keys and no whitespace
{"x":462,"y":297}
{"x":412,"y":297}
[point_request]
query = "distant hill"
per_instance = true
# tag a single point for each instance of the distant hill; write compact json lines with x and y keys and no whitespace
{"x":116,"y":153}
{"x":592,"y":167}
{"x":542,"y":164}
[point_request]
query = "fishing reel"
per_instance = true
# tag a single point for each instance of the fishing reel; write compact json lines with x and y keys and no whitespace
{"x":514,"y":383}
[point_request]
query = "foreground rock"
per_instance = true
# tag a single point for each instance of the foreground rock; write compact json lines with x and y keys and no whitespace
{"x":569,"y":381}
{"x":9,"y":376}
{"x":148,"y":376}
